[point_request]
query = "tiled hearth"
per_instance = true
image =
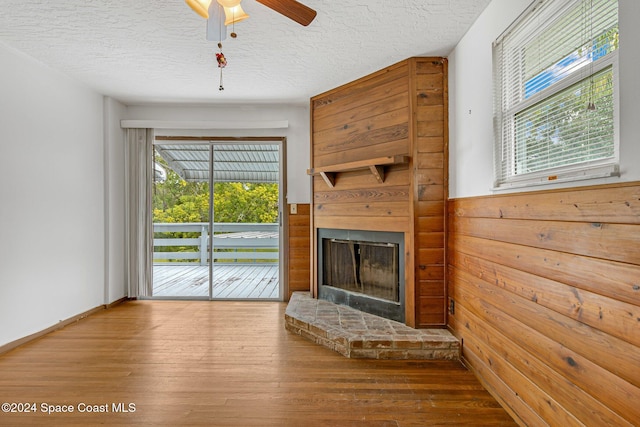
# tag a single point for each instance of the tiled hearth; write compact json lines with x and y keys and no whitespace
{"x":356,"y":334}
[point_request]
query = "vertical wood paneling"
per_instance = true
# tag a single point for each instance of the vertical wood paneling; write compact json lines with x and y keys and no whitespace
{"x":430,"y":103}
{"x":400,"y":110}
{"x":546,"y":296}
{"x":299,"y":250}
{"x":365,"y":119}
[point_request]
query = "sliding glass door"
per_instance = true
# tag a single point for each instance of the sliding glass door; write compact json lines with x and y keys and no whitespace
{"x":246,"y":227}
{"x":216,"y":212}
{"x":181,"y":221}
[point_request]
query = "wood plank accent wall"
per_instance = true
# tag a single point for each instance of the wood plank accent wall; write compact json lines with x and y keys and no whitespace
{"x":398,"y":111}
{"x":431,"y":149}
{"x":299,"y":237}
{"x":546,"y":291}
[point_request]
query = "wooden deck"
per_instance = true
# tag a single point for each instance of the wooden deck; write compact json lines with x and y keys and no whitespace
{"x":239,"y":281}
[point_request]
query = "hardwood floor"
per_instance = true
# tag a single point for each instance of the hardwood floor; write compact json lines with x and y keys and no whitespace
{"x":226,"y":363}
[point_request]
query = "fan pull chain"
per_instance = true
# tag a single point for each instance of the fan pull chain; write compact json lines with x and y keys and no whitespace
{"x":222,"y":62}
{"x":233,"y":24}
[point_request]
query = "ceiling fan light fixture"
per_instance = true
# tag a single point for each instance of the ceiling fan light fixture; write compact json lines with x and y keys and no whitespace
{"x":216,"y":30}
{"x":201,"y":7}
{"x":234,"y":14}
{"x":229,"y":3}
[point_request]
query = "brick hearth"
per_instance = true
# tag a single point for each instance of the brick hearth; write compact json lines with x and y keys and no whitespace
{"x":356,"y":334}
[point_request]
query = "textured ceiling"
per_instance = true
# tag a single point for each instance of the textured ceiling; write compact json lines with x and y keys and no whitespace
{"x":154,"y":51}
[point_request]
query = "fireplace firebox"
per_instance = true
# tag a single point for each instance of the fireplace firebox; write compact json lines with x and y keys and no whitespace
{"x":362,"y":269}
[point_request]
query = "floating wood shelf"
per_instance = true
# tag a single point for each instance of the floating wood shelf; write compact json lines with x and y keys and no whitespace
{"x":376,"y":166}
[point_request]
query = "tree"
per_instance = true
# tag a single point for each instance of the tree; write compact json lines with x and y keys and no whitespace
{"x":245,"y":202}
{"x":178,"y":201}
{"x":574,"y":125}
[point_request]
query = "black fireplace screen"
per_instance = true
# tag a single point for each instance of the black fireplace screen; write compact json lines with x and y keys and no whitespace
{"x":365,"y":267}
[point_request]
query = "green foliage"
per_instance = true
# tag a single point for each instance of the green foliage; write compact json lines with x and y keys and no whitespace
{"x":178,"y":201}
{"x":245,"y":202}
{"x":574,"y":125}
{"x":562,"y":129}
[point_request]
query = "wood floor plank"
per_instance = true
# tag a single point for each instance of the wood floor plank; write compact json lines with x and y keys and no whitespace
{"x":227,"y":363}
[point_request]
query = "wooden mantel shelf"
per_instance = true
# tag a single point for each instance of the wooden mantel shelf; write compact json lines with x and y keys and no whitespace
{"x":376,"y":166}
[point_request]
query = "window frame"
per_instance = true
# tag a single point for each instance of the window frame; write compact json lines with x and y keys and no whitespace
{"x":504,"y":120}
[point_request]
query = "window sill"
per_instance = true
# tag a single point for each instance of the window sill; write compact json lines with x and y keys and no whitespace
{"x":549,"y":178}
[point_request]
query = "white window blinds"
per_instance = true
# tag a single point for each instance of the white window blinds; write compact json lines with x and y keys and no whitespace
{"x":555,"y":92}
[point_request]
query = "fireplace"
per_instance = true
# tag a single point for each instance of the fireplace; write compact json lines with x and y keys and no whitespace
{"x":362,"y":269}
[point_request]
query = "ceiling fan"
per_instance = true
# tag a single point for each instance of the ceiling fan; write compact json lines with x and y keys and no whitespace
{"x":292,"y":9}
{"x":220,"y":13}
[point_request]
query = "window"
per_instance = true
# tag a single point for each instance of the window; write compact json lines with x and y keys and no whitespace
{"x":555,"y":93}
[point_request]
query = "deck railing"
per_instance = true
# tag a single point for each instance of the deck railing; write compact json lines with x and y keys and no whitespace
{"x":187,"y":243}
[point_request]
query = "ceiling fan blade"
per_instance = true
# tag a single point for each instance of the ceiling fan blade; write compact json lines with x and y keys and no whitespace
{"x":292,"y":9}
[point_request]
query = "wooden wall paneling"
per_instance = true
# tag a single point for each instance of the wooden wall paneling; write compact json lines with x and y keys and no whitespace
{"x":432,"y":113}
{"x":614,"y":359}
{"x":430,"y":161}
{"x":349,"y":97}
{"x":425,"y":208}
{"x":363,"y":209}
{"x":431,"y":288}
{"x":346,"y":197}
{"x":299,"y":249}
{"x":587,"y":409}
{"x":431,"y":145}
{"x":430,"y":192}
{"x":517,"y":408}
{"x":611,"y":316}
{"x":546,"y":298}
{"x":429,"y":97}
{"x":400,"y":110}
{"x":392,"y":97}
{"x":616,"y":242}
{"x":614,"y":279}
{"x":364,"y":145}
{"x":395,"y":224}
{"x":388,"y":124}
{"x":431,"y":127}
{"x":382,"y":149}
{"x":410,"y":285}
{"x":589,"y":376}
{"x":431,"y":176}
{"x":430,"y":239}
{"x":396,"y":175}
{"x":413,"y":299}
{"x":431,"y":309}
{"x":542,"y":404}
{"x":614,"y":204}
{"x":431,"y":273}
{"x":391,"y":126}
{"x":430,"y":256}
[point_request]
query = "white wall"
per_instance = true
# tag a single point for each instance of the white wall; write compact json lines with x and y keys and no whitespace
{"x":114,"y":152}
{"x":471,"y":104}
{"x":51,"y":197}
{"x":297,"y":134}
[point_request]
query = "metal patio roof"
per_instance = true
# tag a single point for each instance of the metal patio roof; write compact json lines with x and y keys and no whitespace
{"x":256,"y":163}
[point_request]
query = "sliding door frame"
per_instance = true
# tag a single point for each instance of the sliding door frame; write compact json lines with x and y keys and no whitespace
{"x":283,"y":258}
